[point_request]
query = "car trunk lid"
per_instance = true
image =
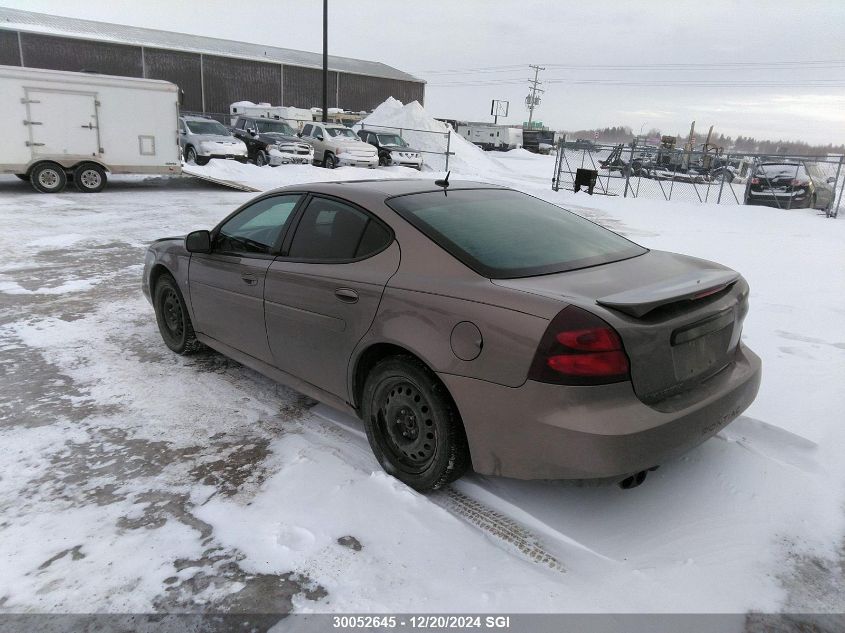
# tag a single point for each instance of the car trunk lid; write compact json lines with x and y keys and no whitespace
{"x":679,"y":317}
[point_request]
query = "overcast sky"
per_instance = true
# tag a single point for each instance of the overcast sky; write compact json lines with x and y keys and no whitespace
{"x":766,"y":68}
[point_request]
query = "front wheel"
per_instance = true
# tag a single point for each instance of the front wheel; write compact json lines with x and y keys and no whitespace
{"x":330,"y":161}
{"x":412,"y":424}
{"x":190,"y":155}
{"x":261,"y":158}
{"x":172,"y":318}
{"x":89,"y":178}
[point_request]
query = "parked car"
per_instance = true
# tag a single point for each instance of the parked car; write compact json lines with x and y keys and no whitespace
{"x":791,"y":185}
{"x":202,"y":139}
{"x":337,"y":145}
{"x":511,"y":336}
{"x":271,"y":142}
{"x":392,"y":149}
{"x":59,"y":127}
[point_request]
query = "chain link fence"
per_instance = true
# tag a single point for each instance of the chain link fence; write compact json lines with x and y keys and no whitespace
{"x":652,"y":171}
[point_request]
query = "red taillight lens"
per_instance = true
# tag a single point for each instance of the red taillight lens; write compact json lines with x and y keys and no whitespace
{"x":797,"y":182}
{"x":755,"y":181}
{"x":579,"y":348}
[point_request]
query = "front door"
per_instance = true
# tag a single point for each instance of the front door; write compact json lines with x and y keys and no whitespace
{"x":227,"y":285}
{"x":322,"y":295}
{"x":62,"y":123}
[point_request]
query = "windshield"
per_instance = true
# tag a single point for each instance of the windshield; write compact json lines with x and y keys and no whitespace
{"x":342,"y":131}
{"x":503,"y":234}
{"x":274,"y":127}
{"x":207,"y":127}
{"x":391,"y":139}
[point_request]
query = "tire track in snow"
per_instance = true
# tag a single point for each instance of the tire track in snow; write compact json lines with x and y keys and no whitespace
{"x":497,"y":525}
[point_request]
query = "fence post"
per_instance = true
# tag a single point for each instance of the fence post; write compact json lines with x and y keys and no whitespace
{"x":841,"y":188}
{"x":628,"y":169}
{"x":724,"y":171}
{"x":448,"y":147}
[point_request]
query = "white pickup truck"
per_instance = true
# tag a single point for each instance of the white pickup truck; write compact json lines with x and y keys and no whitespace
{"x":337,"y":145}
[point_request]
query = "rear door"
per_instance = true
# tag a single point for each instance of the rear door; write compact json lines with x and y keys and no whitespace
{"x":322,"y":293}
{"x":62,"y":123}
{"x":227,"y":285}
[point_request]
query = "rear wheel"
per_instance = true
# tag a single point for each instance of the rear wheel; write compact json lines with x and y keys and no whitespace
{"x":89,"y":178}
{"x":48,"y":178}
{"x":412,"y":424}
{"x":174,"y":324}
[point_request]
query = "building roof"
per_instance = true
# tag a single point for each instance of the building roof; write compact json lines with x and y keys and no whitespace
{"x":30,"y":22}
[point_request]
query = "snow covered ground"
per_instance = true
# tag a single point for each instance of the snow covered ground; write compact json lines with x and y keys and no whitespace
{"x":136,"y":480}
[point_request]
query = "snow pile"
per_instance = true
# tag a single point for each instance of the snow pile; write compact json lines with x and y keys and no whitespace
{"x":424,"y":133}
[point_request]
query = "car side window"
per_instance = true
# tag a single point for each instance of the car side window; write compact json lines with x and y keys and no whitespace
{"x":331,"y":230}
{"x":306,"y":129}
{"x":257,"y":228}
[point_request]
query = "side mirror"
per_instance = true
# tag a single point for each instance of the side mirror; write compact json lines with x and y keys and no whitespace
{"x":198,"y":242}
{"x":319,"y":137}
{"x":831,"y":180}
{"x":182,"y":132}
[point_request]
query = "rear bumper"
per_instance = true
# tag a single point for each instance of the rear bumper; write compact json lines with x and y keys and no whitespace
{"x":542,"y":431}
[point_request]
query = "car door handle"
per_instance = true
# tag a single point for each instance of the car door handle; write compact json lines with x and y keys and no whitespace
{"x":249,"y":280}
{"x":347,"y":295}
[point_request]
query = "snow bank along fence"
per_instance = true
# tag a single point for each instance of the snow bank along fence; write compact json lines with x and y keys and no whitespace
{"x":651,"y":171}
{"x":446,"y":136}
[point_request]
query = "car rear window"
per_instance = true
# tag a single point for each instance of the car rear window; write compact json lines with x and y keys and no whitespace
{"x":503,"y":234}
{"x":781,"y":170}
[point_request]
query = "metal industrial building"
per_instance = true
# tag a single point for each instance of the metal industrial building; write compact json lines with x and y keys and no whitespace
{"x":212,"y":73}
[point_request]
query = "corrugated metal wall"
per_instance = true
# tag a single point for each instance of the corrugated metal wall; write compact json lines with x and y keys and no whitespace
{"x":359,"y":92}
{"x":64,"y":53}
{"x":182,"y":69}
{"x":304,"y":87}
{"x":9,"y":52}
{"x":228,"y":80}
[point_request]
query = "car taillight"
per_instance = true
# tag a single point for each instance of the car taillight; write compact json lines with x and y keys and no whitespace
{"x":579,"y":348}
{"x":755,"y":181}
{"x":797,"y":182}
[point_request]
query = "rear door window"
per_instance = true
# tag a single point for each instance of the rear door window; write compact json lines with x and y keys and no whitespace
{"x":331,"y":230}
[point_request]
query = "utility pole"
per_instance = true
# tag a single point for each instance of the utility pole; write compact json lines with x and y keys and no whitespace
{"x":532,"y":100}
{"x":325,"y":61}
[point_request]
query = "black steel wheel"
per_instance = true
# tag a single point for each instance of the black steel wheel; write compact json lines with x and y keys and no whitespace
{"x":89,"y":178}
{"x":412,"y":424}
{"x":172,"y":317}
{"x":48,"y":178}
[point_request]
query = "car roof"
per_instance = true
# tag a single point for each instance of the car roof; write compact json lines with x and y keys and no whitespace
{"x":388,"y":187}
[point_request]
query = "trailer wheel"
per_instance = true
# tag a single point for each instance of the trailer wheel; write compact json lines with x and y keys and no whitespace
{"x":48,"y":178}
{"x":89,"y":178}
{"x":24,"y":177}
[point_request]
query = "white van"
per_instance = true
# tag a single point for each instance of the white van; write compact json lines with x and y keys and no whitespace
{"x":57,"y":126}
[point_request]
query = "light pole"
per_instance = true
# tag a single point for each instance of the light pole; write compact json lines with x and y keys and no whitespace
{"x":325,"y":61}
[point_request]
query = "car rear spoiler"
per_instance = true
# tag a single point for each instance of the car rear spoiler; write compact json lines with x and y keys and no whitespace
{"x":688,"y":287}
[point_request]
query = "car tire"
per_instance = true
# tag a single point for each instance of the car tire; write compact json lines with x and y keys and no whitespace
{"x":174,"y":323}
{"x":48,"y":178}
{"x":203,"y":160}
{"x":261,"y":158}
{"x":190,"y":155}
{"x":412,"y":424}
{"x":24,"y":177}
{"x":330,"y":161}
{"x":89,"y":178}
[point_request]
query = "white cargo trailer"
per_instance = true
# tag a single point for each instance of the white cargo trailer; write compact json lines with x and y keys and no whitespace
{"x":56,"y":126}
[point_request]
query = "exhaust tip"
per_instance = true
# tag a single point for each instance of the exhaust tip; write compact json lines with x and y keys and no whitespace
{"x":634,"y":480}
